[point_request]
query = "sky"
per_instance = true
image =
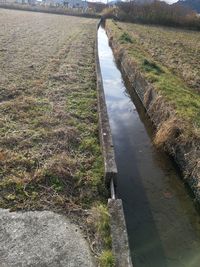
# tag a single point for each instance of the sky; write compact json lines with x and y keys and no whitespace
{"x":171,"y":1}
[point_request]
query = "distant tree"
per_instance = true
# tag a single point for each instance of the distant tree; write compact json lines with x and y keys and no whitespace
{"x":156,"y":12}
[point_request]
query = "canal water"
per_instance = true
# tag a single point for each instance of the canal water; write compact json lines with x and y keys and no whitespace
{"x":163,"y":224}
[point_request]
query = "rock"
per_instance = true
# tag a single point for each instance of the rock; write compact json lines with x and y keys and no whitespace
{"x":41,"y":238}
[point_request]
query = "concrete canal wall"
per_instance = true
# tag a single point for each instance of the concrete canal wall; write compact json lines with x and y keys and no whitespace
{"x":120,"y":245}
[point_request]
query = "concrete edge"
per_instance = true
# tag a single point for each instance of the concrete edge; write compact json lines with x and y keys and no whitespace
{"x":120,"y":243}
{"x":110,"y":168}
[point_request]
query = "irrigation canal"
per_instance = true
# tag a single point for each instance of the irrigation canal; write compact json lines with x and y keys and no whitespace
{"x":162,"y":222}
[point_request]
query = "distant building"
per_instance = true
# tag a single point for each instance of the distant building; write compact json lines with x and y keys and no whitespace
{"x":67,"y":3}
{"x":75,"y":4}
{"x":7,"y":1}
{"x":52,"y":2}
{"x":30,"y":2}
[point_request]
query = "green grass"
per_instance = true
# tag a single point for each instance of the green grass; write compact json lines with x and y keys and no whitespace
{"x":103,"y":225}
{"x":151,"y":67}
{"x":103,"y":228}
{"x":125,"y":38}
{"x":185,"y":100}
{"x":107,"y":259}
{"x":99,"y":221}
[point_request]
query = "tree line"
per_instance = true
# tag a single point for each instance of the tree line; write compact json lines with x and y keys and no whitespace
{"x":158,"y":13}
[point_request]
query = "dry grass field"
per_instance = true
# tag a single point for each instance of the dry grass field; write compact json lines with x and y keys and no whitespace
{"x":49,"y":151}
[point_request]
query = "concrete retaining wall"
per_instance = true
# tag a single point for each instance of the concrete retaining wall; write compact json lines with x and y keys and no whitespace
{"x":120,"y":245}
{"x":110,"y":167}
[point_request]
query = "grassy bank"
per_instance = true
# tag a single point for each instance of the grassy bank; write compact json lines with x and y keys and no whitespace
{"x":169,"y":60}
{"x":159,"y":62}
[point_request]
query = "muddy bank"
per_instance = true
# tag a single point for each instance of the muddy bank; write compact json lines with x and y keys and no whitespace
{"x":171,"y":133}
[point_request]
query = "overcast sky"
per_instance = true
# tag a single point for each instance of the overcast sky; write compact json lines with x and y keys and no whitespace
{"x":171,"y":1}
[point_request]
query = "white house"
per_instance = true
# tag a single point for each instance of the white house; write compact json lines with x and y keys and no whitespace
{"x":30,"y":2}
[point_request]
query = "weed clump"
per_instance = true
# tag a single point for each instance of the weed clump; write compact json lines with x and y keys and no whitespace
{"x":125,"y":38}
{"x":107,"y":259}
{"x":99,"y":224}
{"x":168,"y":131}
{"x":150,"y":66}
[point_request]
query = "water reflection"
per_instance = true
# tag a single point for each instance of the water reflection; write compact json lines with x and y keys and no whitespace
{"x":163,"y":225}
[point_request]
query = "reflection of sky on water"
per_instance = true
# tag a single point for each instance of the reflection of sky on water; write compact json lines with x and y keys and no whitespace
{"x":163,"y":226}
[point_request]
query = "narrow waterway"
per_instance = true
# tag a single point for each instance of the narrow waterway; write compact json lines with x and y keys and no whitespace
{"x":163,"y":224}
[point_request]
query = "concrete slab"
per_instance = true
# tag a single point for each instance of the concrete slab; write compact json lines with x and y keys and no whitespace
{"x":40,"y":239}
{"x":120,"y":245}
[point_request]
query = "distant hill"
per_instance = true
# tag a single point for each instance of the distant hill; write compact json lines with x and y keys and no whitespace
{"x":113,"y":2}
{"x":192,"y":4}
